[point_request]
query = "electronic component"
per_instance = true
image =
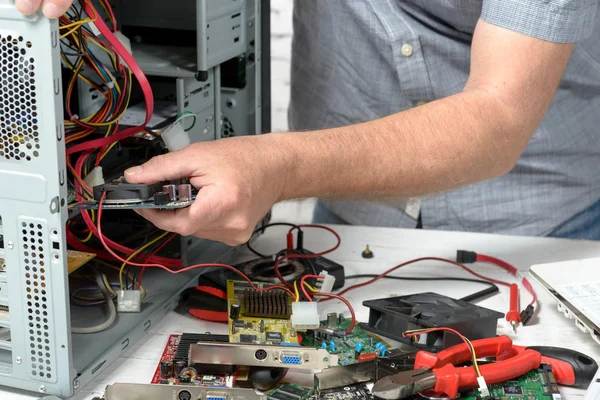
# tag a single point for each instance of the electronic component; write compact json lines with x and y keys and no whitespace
{"x":536,"y":384}
{"x":305,"y":315}
{"x":275,"y":337}
{"x":166,"y":369}
{"x":171,"y":191}
{"x":247,"y":338}
{"x":129,"y":301}
{"x":390,"y":317}
{"x":346,"y":346}
{"x":355,"y":392}
{"x":234,"y":311}
{"x":367,"y":253}
{"x":176,"y":351}
{"x":175,"y":137}
{"x":121,"y":192}
{"x":325,"y":285}
{"x":137,"y":391}
{"x":75,"y":259}
{"x":260,"y":355}
{"x":239,"y":294}
{"x":161,"y":198}
{"x":271,"y":304}
{"x":332,"y":320}
{"x":289,"y":392}
{"x":184,"y":192}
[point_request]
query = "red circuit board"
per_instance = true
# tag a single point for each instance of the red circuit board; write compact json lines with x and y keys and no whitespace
{"x":201,"y":380}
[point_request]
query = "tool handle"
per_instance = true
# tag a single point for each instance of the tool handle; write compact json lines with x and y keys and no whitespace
{"x":500,"y":347}
{"x":570,"y":367}
{"x":450,"y":378}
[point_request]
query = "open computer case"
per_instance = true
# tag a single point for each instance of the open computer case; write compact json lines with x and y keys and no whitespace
{"x":208,"y":57}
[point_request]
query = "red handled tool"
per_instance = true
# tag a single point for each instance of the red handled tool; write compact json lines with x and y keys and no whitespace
{"x":207,"y":314}
{"x":438,"y":372}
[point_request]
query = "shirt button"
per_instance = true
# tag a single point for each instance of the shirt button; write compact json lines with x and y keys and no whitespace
{"x":407,"y":50}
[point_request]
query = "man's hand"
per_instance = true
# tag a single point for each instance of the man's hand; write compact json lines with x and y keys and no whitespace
{"x":239,"y":180}
{"x":51,"y":8}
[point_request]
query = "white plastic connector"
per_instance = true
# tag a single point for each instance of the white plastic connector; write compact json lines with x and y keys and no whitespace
{"x":483,"y":389}
{"x":176,"y":138}
{"x":129,"y":301}
{"x":325,"y":285}
{"x":95,"y":177}
{"x":305,"y":315}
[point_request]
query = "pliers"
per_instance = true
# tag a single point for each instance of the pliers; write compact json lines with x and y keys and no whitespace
{"x":441,"y":372}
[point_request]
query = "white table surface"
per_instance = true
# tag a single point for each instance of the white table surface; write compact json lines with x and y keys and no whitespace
{"x":390,"y":247}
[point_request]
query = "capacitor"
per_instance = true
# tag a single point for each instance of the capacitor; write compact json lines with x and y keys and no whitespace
{"x":383,"y":350}
{"x":179,"y":366}
{"x":171,"y":190}
{"x":234,"y":311}
{"x":324,"y":345}
{"x":358,"y":347}
{"x":166,"y":369}
{"x":367,"y":357}
{"x":341,"y":318}
{"x":161,"y":198}
{"x":378,"y":345}
{"x":185,"y":192}
{"x":332,"y":346}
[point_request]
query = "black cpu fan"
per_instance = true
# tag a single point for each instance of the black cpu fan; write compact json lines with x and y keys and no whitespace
{"x":392,"y":316}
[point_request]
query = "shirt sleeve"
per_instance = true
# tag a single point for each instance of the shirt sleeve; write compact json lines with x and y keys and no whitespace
{"x":561,"y":21}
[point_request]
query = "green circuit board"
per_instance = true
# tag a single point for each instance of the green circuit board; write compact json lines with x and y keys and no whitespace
{"x":345,"y":348}
{"x":537,"y":384}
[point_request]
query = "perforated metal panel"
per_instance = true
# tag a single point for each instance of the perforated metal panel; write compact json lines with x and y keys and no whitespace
{"x":227,"y":128}
{"x":35,"y":259}
{"x":19,"y":136}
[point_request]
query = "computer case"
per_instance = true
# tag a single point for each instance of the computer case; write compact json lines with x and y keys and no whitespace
{"x":38,"y":352}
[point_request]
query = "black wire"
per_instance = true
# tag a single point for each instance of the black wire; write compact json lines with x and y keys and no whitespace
{"x":492,"y":289}
{"x":262,"y":230}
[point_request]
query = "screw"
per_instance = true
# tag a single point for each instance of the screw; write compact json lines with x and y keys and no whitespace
{"x":367,"y":253}
{"x":250,"y":24}
{"x":10,"y":245}
{"x":42,"y":389}
{"x":18,"y":360}
{"x":75,"y":384}
{"x":393,"y":365}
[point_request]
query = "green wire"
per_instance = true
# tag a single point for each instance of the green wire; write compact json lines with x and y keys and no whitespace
{"x":187,"y":113}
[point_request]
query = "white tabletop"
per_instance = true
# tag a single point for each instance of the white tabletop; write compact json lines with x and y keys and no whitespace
{"x":390,"y":247}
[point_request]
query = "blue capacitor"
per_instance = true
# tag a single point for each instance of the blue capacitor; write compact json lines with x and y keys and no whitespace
{"x":378,"y":345}
{"x":332,"y":345}
{"x":383,"y":350}
{"x":324,"y":345}
{"x":358,"y":347}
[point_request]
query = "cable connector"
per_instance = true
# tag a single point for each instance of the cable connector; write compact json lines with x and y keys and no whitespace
{"x":305,"y":315}
{"x":527,"y":314}
{"x":466,"y":257}
{"x":129,"y":301}
{"x":483,"y":389}
{"x":325,"y":285}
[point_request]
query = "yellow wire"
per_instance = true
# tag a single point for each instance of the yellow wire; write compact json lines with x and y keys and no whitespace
{"x":130,"y":275}
{"x":296,"y":291}
{"x":312,"y":289}
{"x":107,"y":150}
{"x":108,"y":286}
{"x":475,"y":363}
{"x":135,"y":253}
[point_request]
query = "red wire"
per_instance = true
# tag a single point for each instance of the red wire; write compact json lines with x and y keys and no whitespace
{"x":159,"y":248}
{"x":419,"y":260}
{"x":457,"y":333}
{"x":302,"y":284}
{"x":503,"y":264}
{"x":155,"y":265}
{"x":137,"y":71}
{"x":337,"y":296}
{"x":305,"y":256}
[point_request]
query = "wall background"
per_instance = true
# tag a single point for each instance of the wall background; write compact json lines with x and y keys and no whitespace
{"x":281,"y":44}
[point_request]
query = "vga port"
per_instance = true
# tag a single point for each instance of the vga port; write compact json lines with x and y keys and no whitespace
{"x":292,"y":358}
{"x":216,"y":396}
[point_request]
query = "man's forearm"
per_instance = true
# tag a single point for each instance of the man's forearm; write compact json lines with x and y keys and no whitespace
{"x":452,"y":142}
